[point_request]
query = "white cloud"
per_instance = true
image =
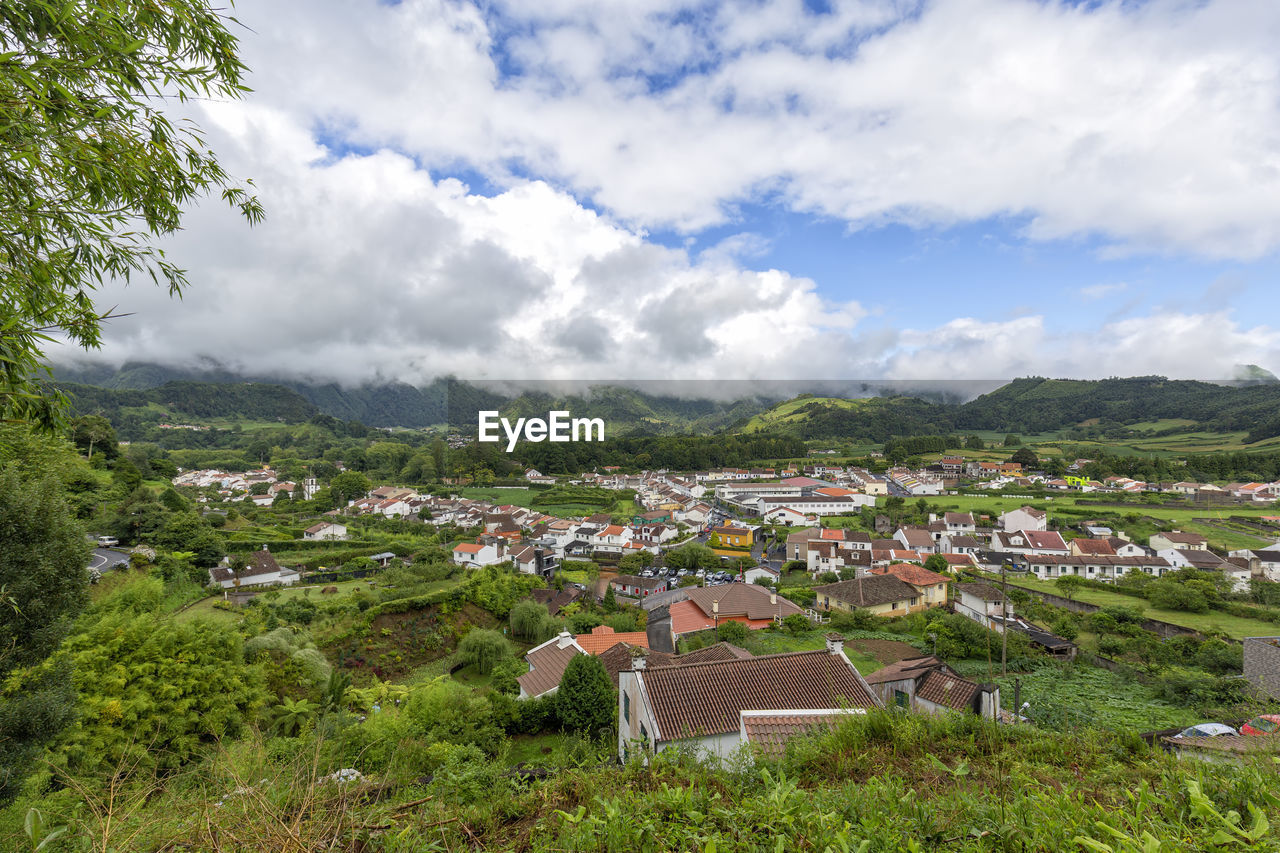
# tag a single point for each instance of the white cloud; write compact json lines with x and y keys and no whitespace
{"x":1153,"y":126}
{"x":1099,"y":291}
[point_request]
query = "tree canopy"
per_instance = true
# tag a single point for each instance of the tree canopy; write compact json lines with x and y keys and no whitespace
{"x":95,"y":166}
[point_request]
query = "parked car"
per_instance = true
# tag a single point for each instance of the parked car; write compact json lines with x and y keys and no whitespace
{"x":1207,"y":730}
{"x":1267,"y":724}
{"x":107,"y":541}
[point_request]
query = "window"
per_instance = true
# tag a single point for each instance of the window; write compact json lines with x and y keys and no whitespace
{"x":626,"y":707}
{"x":901,"y":699}
{"x":644,"y":734}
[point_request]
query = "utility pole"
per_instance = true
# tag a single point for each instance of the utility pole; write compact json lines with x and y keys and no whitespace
{"x":1004,"y":618}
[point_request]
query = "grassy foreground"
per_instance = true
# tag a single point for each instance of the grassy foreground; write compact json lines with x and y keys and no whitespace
{"x":883,"y":782}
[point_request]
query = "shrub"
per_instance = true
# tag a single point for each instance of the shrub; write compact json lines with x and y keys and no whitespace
{"x":734,"y":632}
{"x":796,"y":623}
{"x":1171,"y":595}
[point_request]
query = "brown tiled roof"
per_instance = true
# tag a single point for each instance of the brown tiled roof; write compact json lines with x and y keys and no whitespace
{"x":741,"y":599}
{"x":619,"y":658}
{"x":260,"y":563}
{"x":869,"y":591}
{"x":964,"y":542}
{"x":546,"y":666}
{"x":916,"y":536}
{"x":770,"y":732}
{"x":904,"y":669}
{"x":708,"y":698}
{"x":985,"y":591}
{"x":1093,"y":546}
{"x":1185,"y":538}
{"x":958,"y":518}
{"x":948,"y":690}
{"x":913,"y":574}
{"x":718,"y":652}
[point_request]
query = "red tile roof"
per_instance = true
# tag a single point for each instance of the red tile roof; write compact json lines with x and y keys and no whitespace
{"x":708,"y":698}
{"x":741,"y":599}
{"x":770,"y":732}
{"x":603,"y":637}
{"x":547,"y":664}
{"x":913,"y":574}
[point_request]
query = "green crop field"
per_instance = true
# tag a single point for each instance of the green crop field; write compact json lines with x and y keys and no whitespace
{"x":1237,"y":627}
{"x":1078,"y":695}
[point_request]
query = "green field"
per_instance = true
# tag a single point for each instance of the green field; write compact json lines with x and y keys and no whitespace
{"x":516,"y":496}
{"x":1237,"y":627}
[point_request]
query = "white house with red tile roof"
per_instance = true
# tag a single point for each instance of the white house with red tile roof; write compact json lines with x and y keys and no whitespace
{"x":1030,"y":542}
{"x":477,"y":554}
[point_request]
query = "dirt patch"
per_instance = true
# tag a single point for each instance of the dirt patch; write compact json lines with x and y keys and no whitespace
{"x":395,"y":644}
{"x":885,"y":651}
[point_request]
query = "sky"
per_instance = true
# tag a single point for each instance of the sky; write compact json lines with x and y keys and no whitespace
{"x":764,"y":189}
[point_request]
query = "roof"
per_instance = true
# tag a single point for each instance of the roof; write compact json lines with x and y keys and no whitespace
{"x":984,"y":591}
{"x":603,"y":637}
{"x":316,"y":528}
{"x":742,"y":599}
{"x":1094,"y":546}
{"x":555,"y":600}
{"x":904,"y":669}
{"x":916,"y":536}
{"x":1185,"y":538}
{"x":729,"y":530}
{"x":468,"y":548}
{"x":547,"y":664}
{"x":709,"y":698}
{"x":958,"y":518}
{"x":950,"y":691}
{"x":260,"y":563}
{"x":769,"y":732}
{"x":869,"y":591}
{"x":964,"y":542}
{"x":913,"y":574}
{"x":620,"y":658}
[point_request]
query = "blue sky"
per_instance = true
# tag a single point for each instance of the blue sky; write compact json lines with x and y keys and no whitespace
{"x":762,"y":188}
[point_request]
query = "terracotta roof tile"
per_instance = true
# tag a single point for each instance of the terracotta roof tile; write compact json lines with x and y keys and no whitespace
{"x":950,"y":691}
{"x":547,"y":664}
{"x":869,"y":591}
{"x":741,"y":599}
{"x":770,"y":732}
{"x":603,"y":637}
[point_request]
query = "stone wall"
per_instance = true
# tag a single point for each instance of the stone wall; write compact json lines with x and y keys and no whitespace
{"x":1262,"y":664}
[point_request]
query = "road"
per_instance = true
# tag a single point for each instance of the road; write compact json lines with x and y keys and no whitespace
{"x":104,"y":559}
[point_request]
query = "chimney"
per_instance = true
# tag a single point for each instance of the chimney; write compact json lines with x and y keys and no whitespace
{"x":773,"y":599}
{"x":638,"y":661}
{"x":564,"y":640}
{"x":835,"y":643}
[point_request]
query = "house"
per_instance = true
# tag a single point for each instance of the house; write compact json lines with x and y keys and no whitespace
{"x":530,"y":560}
{"x":1177,"y":539}
{"x":759,"y":573}
{"x":262,"y":570}
{"x":547,"y":663}
{"x":533,"y":475}
{"x":1029,"y":542}
{"x":1024,"y":518}
{"x":1264,"y":561}
{"x":928,"y":685}
{"x":1207,"y":561}
{"x":477,"y":554}
{"x":707,"y":607}
{"x":325,"y":530}
{"x":638,"y":587}
{"x":959,"y":522}
{"x":958,"y":544}
{"x":917,"y":539}
{"x":1091,"y":548}
{"x":982,"y":603}
{"x":261,"y":500}
{"x":789,"y":517}
{"x":931,"y":586}
{"x":731,"y":537}
{"x":701,"y":706}
{"x":881,"y":595}
{"x":1100,"y":568}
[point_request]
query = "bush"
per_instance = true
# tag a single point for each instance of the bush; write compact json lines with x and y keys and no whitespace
{"x":796,"y":623}
{"x":1171,"y":595}
{"x":484,"y":649}
{"x":735,"y":632}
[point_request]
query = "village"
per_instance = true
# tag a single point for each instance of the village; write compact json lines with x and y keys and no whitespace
{"x":710,"y":557}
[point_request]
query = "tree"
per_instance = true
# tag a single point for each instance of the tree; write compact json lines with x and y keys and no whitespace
{"x":974,"y":442}
{"x":94,"y":170}
{"x":484,"y":649}
{"x":348,"y":486}
{"x":1026,"y":457}
{"x":1069,"y":584}
{"x":937,"y":563}
{"x":610,"y":602}
{"x":90,"y":432}
{"x":529,"y":621}
{"x":1012,"y":440}
{"x":43,"y":555}
{"x":585,"y":701}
